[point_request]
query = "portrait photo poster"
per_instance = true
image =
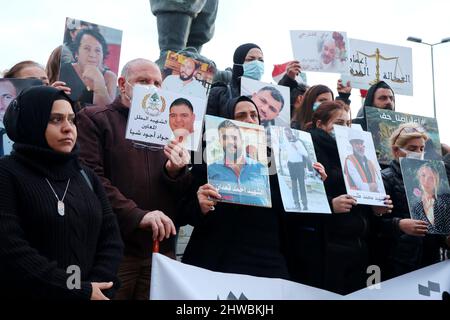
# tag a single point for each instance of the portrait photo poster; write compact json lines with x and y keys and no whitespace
{"x":362,"y":174}
{"x":301,"y":186}
{"x":428,"y":193}
{"x":236,"y":154}
{"x":158,"y":116}
{"x":187,"y":75}
{"x":382,"y":123}
{"x":87,"y":57}
{"x":321,"y":51}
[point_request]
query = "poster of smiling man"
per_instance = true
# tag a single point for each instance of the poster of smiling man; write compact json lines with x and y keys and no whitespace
{"x":272,"y":101}
{"x":321,"y":51}
{"x":158,"y":116}
{"x":301,"y":186}
{"x":428,"y":193}
{"x":236,"y":154}
{"x":361,"y":170}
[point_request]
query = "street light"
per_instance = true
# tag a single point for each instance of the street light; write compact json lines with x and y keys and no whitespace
{"x":418,"y":40}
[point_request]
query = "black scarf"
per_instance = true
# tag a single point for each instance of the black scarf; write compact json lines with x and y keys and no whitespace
{"x":238,"y":60}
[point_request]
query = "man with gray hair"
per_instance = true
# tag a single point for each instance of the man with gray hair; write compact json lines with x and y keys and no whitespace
{"x":140,"y":180}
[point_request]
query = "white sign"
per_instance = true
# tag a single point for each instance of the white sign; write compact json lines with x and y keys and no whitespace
{"x":158,"y":116}
{"x":322,"y":51}
{"x":370,"y":62}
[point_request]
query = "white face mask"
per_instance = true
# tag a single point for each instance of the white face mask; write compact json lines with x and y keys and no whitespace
{"x":413,"y":155}
{"x":149,"y":86}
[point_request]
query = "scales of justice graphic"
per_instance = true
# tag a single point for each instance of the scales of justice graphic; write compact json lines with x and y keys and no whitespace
{"x":362,"y":70}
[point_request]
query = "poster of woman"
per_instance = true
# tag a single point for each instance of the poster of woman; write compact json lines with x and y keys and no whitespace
{"x":92,"y":72}
{"x":428,"y":193}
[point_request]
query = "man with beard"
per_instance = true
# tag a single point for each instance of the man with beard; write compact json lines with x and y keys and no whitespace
{"x":237,"y":176}
{"x":360,"y":172}
{"x":379,"y":95}
{"x":185,"y":82}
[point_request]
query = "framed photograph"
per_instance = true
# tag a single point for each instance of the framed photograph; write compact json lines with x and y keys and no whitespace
{"x":360,"y":167}
{"x":321,"y":51}
{"x":273,"y":101}
{"x":186,"y":75}
{"x":382,"y":123}
{"x":236,"y":154}
{"x":90,"y":61}
{"x":158,"y":116}
{"x":301,"y":186}
{"x":428,"y":193}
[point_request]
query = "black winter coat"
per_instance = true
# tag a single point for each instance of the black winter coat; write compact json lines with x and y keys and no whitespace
{"x":235,"y":238}
{"x":394,"y":251}
{"x":336,"y":251}
{"x":37,"y":245}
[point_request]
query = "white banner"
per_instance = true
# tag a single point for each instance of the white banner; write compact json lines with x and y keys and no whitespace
{"x":173,"y":280}
{"x":425,"y":284}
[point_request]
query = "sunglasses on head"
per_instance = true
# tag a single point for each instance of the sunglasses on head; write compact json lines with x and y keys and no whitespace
{"x":409,"y":130}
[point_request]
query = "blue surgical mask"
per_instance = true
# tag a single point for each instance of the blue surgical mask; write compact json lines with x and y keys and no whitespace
{"x":316,"y":105}
{"x":253,"y":69}
{"x":413,"y":155}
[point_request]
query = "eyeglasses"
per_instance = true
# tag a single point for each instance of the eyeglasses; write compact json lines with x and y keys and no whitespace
{"x":408,"y":130}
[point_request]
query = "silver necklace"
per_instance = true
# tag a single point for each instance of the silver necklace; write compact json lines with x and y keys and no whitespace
{"x":60,"y":206}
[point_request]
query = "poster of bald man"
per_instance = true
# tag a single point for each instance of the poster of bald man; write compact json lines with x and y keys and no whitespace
{"x":362,"y":173}
{"x":186,"y":75}
{"x":272,"y":101}
{"x":321,"y":51}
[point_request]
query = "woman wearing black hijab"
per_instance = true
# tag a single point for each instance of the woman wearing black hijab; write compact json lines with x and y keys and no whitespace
{"x":59,"y":238}
{"x":248,"y":61}
{"x":234,"y":238}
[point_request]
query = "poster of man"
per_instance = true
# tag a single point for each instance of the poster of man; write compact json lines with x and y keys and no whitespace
{"x":90,"y":61}
{"x":186,"y":75}
{"x":273,"y":101}
{"x":9,"y":89}
{"x":382,"y":123}
{"x":321,"y":51}
{"x":371,"y":62}
{"x":158,"y":116}
{"x":302,"y":189}
{"x":361,"y":170}
{"x":428,"y":193}
{"x":239,"y":177}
